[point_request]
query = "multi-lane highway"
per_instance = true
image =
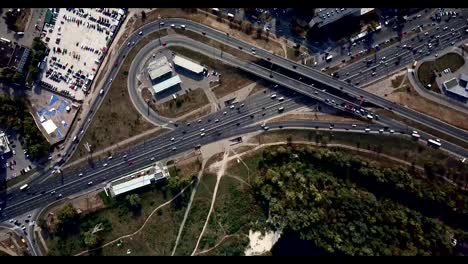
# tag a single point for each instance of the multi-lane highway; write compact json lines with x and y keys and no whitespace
{"x":234,"y":122}
{"x":404,"y":53}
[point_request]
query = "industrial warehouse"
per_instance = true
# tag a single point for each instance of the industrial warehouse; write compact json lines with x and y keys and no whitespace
{"x":138,"y":179}
{"x":160,"y":73}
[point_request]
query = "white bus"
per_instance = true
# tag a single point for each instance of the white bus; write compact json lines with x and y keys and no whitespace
{"x":434,"y":143}
{"x":24,"y":187}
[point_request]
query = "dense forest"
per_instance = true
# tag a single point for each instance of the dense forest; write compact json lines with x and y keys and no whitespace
{"x":14,"y":114}
{"x":348,"y":206}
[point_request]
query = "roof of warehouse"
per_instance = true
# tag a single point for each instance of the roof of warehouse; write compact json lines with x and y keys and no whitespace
{"x":187,"y":64}
{"x":138,"y":179}
{"x":157,"y":63}
{"x":166,"y":84}
{"x":160,"y":71}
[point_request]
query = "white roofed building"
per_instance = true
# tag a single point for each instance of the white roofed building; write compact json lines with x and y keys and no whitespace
{"x":159,"y":72}
{"x":4,"y":144}
{"x":188,"y":65}
{"x":138,"y":179}
{"x":160,"y":87}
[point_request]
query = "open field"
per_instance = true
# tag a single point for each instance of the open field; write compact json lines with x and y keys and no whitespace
{"x":197,"y":215}
{"x":184,"y":104}
{"x":116,"y":119}
{"x":426,"y":69}
{"x":155,"y":239}
{"x":231,"y":78}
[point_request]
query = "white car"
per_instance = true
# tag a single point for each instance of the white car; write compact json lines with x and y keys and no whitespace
{"x":152,"y":158}
{"x":202,"y":134}
{"x":172,"y":26}
{"x":105,"y":165}
{"x":281,"y":98}
{"x":216,"y":120}
{"x":172,"y":139}
{"x":174,"y":148}
{"x":90,"y":183}
{"x":81,"y":174}
{"x":140,"y":33}
{"x":224,"y":113}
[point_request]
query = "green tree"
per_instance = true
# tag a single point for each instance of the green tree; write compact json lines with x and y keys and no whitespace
{"x":133,"y":202}
{"x":67,"y":220}
{"x":91,"y":240}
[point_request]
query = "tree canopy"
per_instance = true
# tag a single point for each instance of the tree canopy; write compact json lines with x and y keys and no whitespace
{"x":327,"y":198}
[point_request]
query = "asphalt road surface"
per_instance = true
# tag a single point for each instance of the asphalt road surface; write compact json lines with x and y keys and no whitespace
{"x":39,"y":194}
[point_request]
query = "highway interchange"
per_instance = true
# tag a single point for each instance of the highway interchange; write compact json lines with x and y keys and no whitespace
{"x":230,"y":124}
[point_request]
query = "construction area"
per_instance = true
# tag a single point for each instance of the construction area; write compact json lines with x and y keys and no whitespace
{"x":78,"y":40}
{"x":137,"y":179}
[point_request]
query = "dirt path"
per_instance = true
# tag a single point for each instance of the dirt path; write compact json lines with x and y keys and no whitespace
{"x":189,"y":206}
{"x":219,"y":175}
{"x":142,"y":227}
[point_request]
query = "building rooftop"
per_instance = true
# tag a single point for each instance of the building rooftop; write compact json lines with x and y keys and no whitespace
{"x":160,"y":71}
{"x":326,"y":16}
{"x":189,"y":65}
{"x":138,"y":179}
{"x":452,"y":86}
{"x":4,"y":144}
{"x":158,"y":62}
{"x":174,"y":80}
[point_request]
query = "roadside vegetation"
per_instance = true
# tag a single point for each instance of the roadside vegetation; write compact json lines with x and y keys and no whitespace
{"x":14,"y":114}
{"x":429,"y":70}
{"x":348,"y":206}
{"x":183,"y":104}
{"x":117,"y":119}
{"x":71,"y":232}
{"x":38,"y":50}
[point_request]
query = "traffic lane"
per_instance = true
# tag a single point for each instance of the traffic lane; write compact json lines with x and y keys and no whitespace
{"x":57,"y":181}
{"x":120,"y":169}
{"x":300,"y":87}
{"x":389,"y":53}
{"x":317,"y":75}
{"x":405,"y":60}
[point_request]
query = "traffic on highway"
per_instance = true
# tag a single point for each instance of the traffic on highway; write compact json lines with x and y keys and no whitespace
{"x":242,"y":117}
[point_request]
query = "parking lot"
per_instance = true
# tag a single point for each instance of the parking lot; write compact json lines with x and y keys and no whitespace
{"x":12,"y":163}
{"x":78,"y":40}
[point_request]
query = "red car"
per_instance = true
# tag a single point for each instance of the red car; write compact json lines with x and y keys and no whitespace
{"x":164,"y":44}
{"x":130,"y":162}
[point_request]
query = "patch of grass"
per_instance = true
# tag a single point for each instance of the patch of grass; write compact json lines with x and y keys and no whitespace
{"x":408,"y":96}
{"x":20,"y":178}
{"x":292,"y":53}
{"x":22,"y":20}
{"x":183,"y":104}
{"x":197,"y":215}
{"x":196,"y":115}
{"x":155,"y":236}
{"x":397,"y":81}
{"x":426,"y":70}
{"x":392,"y":145}
{"x":117,"y":119}
{"x":231,"y":79}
